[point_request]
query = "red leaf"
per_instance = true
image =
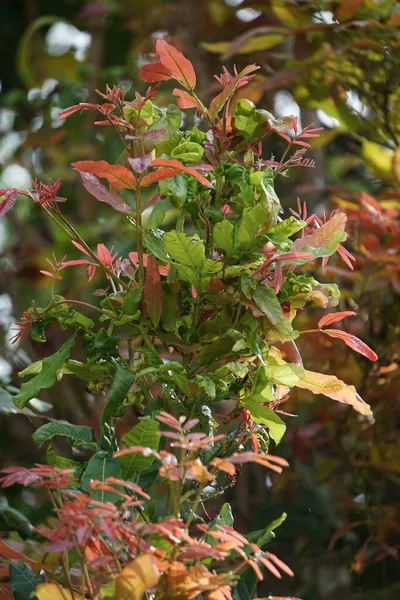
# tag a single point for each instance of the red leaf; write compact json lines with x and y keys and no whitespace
{"x":333,"y":317}
{"x":117,"y":175}
{"x":163,"y":269}
{"x":353,"y":342}
{"x":158,"y":175}
{"x":176,"y":164}
{"x":66,"y":112}
{"x":154,"y":72}
{"x":153,"y":291}
{"x":102,"y":194}
{"x":180,"y":67}
{"x":219,"y":101}
{"x":185,"y":100}
{"x":7,"y":201}
{"x":7,"y":552}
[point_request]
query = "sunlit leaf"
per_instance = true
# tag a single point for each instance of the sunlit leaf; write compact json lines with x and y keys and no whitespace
{"x":140,"y":575}
{"x":180,"y":67}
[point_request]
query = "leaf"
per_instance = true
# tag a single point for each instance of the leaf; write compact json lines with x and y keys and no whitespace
{"x":285,"y":374}
{"x":9,"y":553}
{"x":321,"y":237}
{"x":184,"y":249}
{"x":285,"y":229}
{"x":7,"y":201}
{"x":253,"y":219}
{"x":353,"y":342}
{"x":267,"y":302}
{"x":153,"y":296}
{"x":180,"y":67}
{"x":99,"y":467}
{"x":13,"y":520}
{"x":102,"y":194}
{"x":131,"y":300}
{"x":47,"y":376}
{"x":347,"y":9}
{"x":23,"y":581}
{"x":122,"y":383}
{"x":158,"y":213}
{"x":265,"y":416}
{"x":146,"y":433}
{"x":117,"y":175}
{"x":219,"y":101}
{"x":333,"y":317}
{"x":331,"y":386}
{"x":52,"y":591}
{"x":158,"y":175}
{"x":262,"y":537}
{"x":136,"y":578}
{"x":185,"y":100}
{"x":79,"y":435}
{"x":154,"y":72}
{"x":378,"y":159}
{"x":176,"y":164}
{"x":223,"y":236}
{"x":396,"y":159}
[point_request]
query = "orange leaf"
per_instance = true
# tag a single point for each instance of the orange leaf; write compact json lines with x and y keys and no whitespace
{"x":7,"y":552}
{"x":331,"y":386}
{"x":347,"y":9}
{"x":153,"y":291}
{"x":333,"y":317}
{"x":158,"y":175}
{"x":185,"y":100}
{"x":117,"y":175}
{"x":154,"y":72}
{"x":136,"y":578}
{"x":353,"y":342}
{"x":180,"y":67}
{"x":176,"y":164}
{"x":323,"y":234}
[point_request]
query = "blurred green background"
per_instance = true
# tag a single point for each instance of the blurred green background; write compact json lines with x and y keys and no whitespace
{"x":333,"y":63}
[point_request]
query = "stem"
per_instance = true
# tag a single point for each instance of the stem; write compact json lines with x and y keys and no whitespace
{"x":310,"y":331}
{"x":139,"y":234}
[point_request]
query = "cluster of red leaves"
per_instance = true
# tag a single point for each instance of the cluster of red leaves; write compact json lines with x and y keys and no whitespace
{"x":111,"y":535}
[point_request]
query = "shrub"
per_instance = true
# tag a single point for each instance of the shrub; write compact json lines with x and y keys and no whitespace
{"x":195,"y":329}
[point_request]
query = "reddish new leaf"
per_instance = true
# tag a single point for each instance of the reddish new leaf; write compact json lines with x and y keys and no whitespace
{"x":153,"y":291}
{"x":176,"y":164}
{"x":333,"y":317}
{"x":102,"y":194}
{"x":323,"y":234}
{"x":158,"y":175}
{"x":7,"y":202}
{"x":219,"y":101}
{"x":117,"y":175}
{"x":185,"y":100}
{"x":353,"y":342}
{"x":154,"y":72}
{"x":66,"y":112}
{"x":179,"y":66}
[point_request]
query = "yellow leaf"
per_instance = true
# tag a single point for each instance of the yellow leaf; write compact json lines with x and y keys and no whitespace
{"x":261,"y":42}
{"x":290,"y":15}
{"x":216,"y":47}
{"x":136,"y":578}
{"x":378,"y":160}
{"x":334,"y":388}
{"x":396,"y":164}
{"x":51,"y":591}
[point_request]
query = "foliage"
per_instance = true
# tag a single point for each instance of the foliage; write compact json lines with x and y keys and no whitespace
{"x":199,"y":316}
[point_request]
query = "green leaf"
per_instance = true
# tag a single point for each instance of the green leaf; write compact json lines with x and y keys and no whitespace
{"x":175,"y":189}
{"x":285,"y":229}
{"x":253,"y":219}
{"x":265,"y":416}
{"x":86,"y":371}
{"x":99,"y":467}
{"x":262,"y":537}
{"x":79,"y":435}
{"x":146,"y":433}
{"x":169,"y":313}
{"x":284,"y":374}
{"x":13,"y":520}
{"x":131,"y":300}
{"x":188,"y":152}
{"x":223,"y":236}
{"x":63,"y":463}
{"x":184,"y":249}
{"x":246,"y":587}
{"x":160,"y":210}
{"x":267,"y":302}
{"x":154,"y":244}
{"x":23,"y":581}
{"x":206,"y":384}
{"x":47,"y":376}
{"x":123,"y":380}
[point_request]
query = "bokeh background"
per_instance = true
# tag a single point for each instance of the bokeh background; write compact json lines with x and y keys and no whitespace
{"x":333,"y":63}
